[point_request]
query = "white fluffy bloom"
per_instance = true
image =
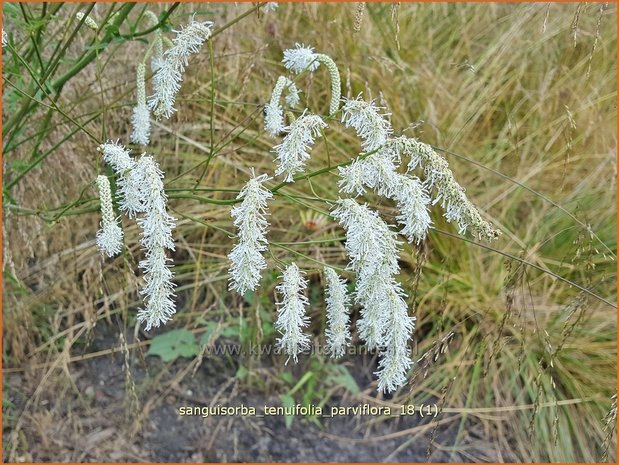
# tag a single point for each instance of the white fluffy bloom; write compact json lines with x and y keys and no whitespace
{"x":292,"y":153}
{"x":338,"y":307}
{"x":273,"y":111}
{"x":129,"y":179}
{"x":130,"y":191}
{"x":378,"y":171}
{"x":270,"y":6}
{"x":449,"y":193}
{"x":304,"y":58}
{"x":167,"y":80}
{"x":291,"y":317}
{"x":91,"y":23}
{"x":373,"y":251}
{"x":109,"y":237}
{"x":156,"y":225}
{"x":300,"y":58}
{"x":395,"y":358}
{"x":141,"y":112}
{"x":117,"y":156}
{"x":413,"y":202}
{"x":366,"y":119}
{"x":141,"y":191}
{"x":246,"y":260}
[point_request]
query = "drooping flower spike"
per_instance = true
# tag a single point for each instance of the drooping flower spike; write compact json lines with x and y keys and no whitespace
{"x":293,"y":152}
{"x":291,"y":317}
{"x":246,"y":260}
{"x":157,"y":226}
{"x":371,"y":125}
{"x":273,"y":111}
{"x":141,"y":191}
{"x":303,"y":58}
{"x":109,"y":237}
{"x":449,"y":193}
{"x":338,"y":308}
{"x":169,"y":75}
{"x":141,"y":113}
{"x":385,"y":324}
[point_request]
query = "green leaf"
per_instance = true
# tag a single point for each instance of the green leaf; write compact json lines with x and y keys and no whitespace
{"x":173,"y":344}
{"x":249,"y":297}
{"x":287,"y":377}
{"x":288,"y":402}
{"x":242,"y":372}
{"x":231,"y":331}
{"x":211,"y":326}
{"x":342,"y":377}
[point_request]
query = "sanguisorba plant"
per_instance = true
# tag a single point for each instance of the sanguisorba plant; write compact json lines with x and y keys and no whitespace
{"x":402,"y":170}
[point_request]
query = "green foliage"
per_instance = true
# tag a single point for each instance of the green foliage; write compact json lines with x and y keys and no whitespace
{"x":173,"y":344}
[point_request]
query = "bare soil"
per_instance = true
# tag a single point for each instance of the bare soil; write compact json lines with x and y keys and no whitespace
{"x":91,"y":417}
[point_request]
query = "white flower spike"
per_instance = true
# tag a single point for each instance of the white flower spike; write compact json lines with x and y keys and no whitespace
{"x":413,"y":202}
{"x":117,"y":156}
{"x":246,"y":260}
{"x":338,"y":308}
{"x":365,"y":117}
{"x":109,"y":237}
{"x":129,"y":179}
{"x":157,"y":226}
{"x":292,"y":153}
{"x":167,"y":80}
{"x":273,"y":111}
{"x":291,"y":317}
{"x":300,"y":58}
{"x":304,"y":58}
{"x":384,"y":325}
{"x":141,"y":112}
{"x":396,"y":354}
{"x":449,"y":193}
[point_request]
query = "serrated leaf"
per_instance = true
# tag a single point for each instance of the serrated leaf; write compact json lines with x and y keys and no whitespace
{"x":173,"y":344}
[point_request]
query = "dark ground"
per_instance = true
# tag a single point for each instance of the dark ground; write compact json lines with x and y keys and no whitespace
{"x":92,"y":418}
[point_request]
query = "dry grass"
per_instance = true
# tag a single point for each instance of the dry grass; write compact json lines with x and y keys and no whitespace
{"x":514,"y":94}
